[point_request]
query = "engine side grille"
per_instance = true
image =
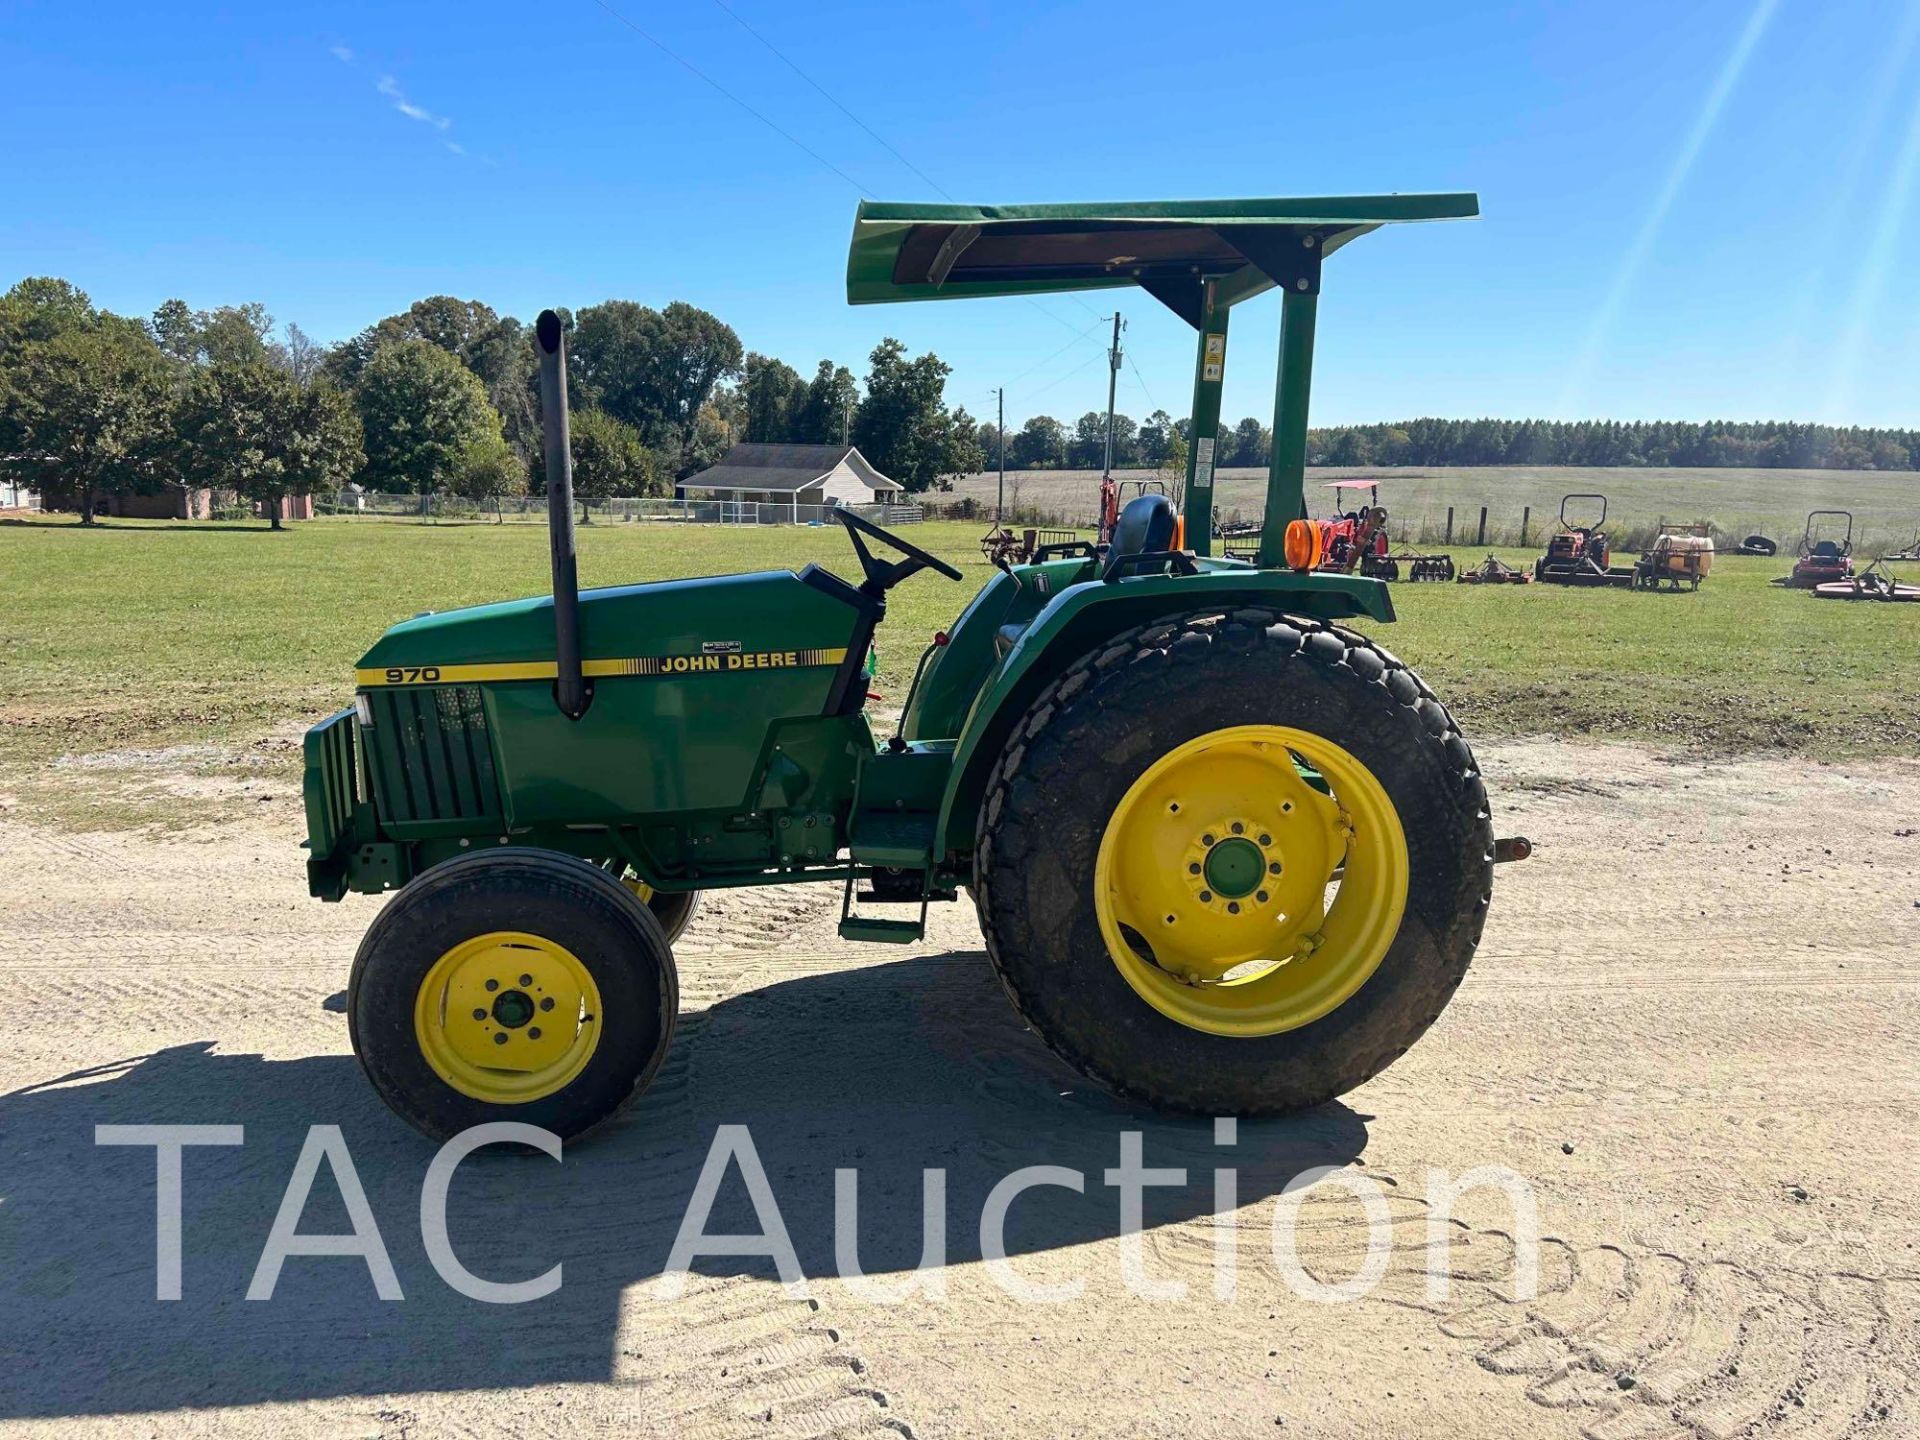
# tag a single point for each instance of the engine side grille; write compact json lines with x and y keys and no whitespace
{"x":431,"y":755}
{"x":330,"y":786}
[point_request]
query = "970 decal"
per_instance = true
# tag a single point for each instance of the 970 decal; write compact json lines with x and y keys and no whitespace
{"x":657,"y":666}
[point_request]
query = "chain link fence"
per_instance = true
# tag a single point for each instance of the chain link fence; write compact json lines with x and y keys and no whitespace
{"x":625,"y":510}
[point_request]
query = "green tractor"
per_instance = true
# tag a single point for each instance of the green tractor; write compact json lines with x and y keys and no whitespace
{"x":1229,"y":856}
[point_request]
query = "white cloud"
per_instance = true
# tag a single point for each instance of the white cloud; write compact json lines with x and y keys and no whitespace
{"x":390,"y":88}
{"x":341,"y":53}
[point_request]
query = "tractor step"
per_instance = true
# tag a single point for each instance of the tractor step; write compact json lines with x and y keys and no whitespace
{"x":886,"y":932}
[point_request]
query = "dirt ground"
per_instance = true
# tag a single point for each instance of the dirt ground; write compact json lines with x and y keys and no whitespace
{"x":1691,"y":1029}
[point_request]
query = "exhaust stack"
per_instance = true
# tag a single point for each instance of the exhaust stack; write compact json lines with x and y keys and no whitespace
{"x":570,"y":686}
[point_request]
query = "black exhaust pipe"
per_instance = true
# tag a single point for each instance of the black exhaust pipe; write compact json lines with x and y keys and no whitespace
{"x":570,"y":686}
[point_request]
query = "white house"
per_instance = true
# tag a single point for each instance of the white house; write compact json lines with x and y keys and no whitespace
{"x":792,"y":475}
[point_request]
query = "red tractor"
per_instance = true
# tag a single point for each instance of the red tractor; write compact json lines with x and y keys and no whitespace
{"x":1580,"y":554}
{"x":1357,"y":540}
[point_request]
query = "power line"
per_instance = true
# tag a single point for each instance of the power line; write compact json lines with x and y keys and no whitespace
{"x":1099,"y":355}
{"x":808,"y":150}
{"x":787,"y":60}
{"x":882,"y":141}
{"x":1144,"y":390}
{"x":1042,"y":364}
{"x":708,"y":80}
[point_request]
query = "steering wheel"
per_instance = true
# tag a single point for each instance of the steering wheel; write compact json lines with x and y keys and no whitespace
{"x":883,"y":575}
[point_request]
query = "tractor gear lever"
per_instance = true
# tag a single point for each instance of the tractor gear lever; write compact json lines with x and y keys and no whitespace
{"x":882,"y":575}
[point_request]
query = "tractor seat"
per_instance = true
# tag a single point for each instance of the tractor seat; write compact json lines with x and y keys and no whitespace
{"x":1824,"y":550}
{"x":1146,"y":526}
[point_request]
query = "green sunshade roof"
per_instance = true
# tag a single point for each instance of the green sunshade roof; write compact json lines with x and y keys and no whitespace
{"x":944,"y":252}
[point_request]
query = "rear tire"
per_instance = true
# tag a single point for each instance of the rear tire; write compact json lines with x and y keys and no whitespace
{"x":675,"y":911}
{"x":527,"y":897}
{"x":1099,"y":728}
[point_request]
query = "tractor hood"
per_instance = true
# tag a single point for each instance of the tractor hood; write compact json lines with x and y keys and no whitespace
{"x":774,"y":611}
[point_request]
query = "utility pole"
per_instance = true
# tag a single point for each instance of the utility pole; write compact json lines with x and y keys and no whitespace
{"x":1113,"y":376}
{"x":1000,"y":425}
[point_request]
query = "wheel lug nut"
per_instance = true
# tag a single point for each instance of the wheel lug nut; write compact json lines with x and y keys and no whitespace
{"x":1206,"y":896}
{"x":1266,"y":839}
{"x":501,"y":1038}
{"x":547,"y":1004}
{"x":1273,"y":867}
{"x":1233,"y":907}
{"x":1206,"y":839}
{"x":1193,"y":868}
{"x":479,"y":1014}
{"x":534,"y":1033}
{"x":1238,"y":828}
{"x":493,"y":985}
{"x":1261,"y":896}
{"x":526,"y":979}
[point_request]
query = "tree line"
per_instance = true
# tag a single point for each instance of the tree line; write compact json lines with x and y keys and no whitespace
{"x":1044,"y":443}
{"x":443,"y":397}
{"x":440,"y":397}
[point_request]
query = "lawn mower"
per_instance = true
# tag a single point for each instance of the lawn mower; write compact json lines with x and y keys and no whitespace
{"x":1229,"y":856}
{"x":1681,"y":554}
{"x":1821,"y":558}
{"x":1580,"y":554}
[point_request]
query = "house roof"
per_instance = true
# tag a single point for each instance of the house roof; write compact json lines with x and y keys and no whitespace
{"x":752,"y":465}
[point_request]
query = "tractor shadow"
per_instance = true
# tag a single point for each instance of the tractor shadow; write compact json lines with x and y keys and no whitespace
{"x":889,"y":1070}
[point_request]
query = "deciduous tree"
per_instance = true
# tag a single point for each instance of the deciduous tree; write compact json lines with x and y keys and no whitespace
{"x":85,"y":414}
{"x":421,"y":410}
{"x":610,"y":458}
{"x":251,"y":427}
{"x":903,"y":426}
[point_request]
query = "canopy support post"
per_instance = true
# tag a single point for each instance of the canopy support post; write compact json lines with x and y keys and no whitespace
{"x":1287,"y":470}
{"x":1209,"y":371}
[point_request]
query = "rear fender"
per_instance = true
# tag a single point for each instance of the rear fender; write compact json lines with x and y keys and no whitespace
{"x":1084,"y":616}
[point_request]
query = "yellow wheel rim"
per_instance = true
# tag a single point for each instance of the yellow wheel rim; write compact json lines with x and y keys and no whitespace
{"x":1212,"y":882}
{"x":507,"y":1017}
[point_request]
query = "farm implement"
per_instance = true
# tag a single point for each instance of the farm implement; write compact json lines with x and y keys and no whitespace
{"x":1494,"y":571}
{"x":1229,"y":856}
{"x":1580,"y":554}
{"x":1003,"y":547}
{"x":1824,"y":555}
{"x":1682,"y":554}
{"x":1876,"y":582}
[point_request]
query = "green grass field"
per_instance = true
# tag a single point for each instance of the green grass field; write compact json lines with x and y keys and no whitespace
{"x":1886,"y":507}
{"x":212,"y":640}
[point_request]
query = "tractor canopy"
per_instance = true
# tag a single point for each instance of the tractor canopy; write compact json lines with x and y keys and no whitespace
{"x":1167,"y":247}
{"x":1199,"y":258}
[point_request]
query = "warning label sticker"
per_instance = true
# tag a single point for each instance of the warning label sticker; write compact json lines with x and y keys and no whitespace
{"x":1214,"y":361}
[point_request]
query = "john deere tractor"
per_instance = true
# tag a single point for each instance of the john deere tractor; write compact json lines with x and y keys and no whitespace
{"x":1229,"y":856}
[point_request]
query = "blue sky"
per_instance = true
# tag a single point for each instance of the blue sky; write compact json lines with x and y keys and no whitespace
{"x":1695,"y":210}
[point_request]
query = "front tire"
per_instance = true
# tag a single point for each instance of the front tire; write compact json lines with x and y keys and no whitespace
{"x":1142,"y":972}
{"x":526,"y":986}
